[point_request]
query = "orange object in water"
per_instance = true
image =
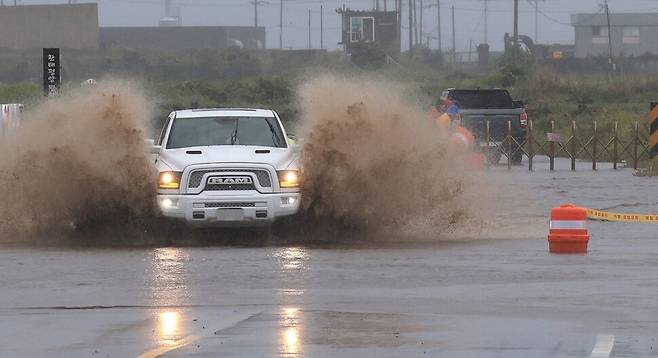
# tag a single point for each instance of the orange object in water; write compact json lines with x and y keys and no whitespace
{"x":568,"y":230}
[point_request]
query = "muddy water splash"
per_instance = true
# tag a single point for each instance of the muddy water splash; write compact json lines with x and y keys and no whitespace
{"x":75,"y":162}
{"x":372,"y":160}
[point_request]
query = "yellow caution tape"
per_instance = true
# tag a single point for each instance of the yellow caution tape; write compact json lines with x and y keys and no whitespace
{"x":594,"y":214}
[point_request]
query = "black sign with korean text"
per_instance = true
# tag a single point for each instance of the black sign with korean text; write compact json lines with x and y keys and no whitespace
{"x":51,"y":72}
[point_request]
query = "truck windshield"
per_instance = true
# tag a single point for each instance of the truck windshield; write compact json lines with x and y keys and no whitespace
{"x":476,"y":99}
{"x":204,"y":131}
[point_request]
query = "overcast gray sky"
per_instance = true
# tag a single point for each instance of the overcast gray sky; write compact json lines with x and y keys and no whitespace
{"x":553,"y":21}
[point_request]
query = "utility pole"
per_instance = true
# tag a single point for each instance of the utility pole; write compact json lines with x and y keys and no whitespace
{"x":411,"y":30}
{"x":321,"y":27}
{"x":385,"y":5}
{"x":536,"y":21}
{"x":454,"y":42}
{"x":415,"y":24}
{"x":438,"y":23}
{"x":610,"y":59}
{"x":421,"y":22}
{"x":398,"y":11}
{"x":281,"y":25}
{"x":515,"y":42}
{"x":486,"y":27}
{"x":255,"y":13}
{"x":470,"y":48}
{"x":309,"y":28}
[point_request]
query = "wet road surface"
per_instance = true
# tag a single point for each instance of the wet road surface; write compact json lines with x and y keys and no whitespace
{"x":476,"y":298}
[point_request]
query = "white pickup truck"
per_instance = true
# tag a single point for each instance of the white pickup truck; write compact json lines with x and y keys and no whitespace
{"x":226,"y":167}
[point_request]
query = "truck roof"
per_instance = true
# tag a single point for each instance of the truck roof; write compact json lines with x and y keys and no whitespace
{"x":224,"y":112}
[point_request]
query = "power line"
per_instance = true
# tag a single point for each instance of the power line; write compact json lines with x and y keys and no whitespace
{"x":552,"y":19}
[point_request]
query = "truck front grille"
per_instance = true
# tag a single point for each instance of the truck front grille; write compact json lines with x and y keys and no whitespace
{"x":217,"y":187}
{"x":262,"y":175}
{"x":231,"y":205}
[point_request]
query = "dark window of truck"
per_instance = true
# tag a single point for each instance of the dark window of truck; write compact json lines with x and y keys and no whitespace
{"x":205,"y":131}
{"x":476,"y":99}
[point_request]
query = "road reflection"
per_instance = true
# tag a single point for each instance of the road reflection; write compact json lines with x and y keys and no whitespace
{"x":169,"y":327}
{"x":293,"y":263}
{"x":292,"y":258}
{"x":168,"y":276}
{"x":168,"y":280}
{"x":289,"y":340}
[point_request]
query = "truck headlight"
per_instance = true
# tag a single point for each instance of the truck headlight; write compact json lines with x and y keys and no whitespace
{"x":169,"y":180}
{"x":288,"y":178}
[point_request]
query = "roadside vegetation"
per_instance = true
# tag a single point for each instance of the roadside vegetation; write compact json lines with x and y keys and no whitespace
{"x":208,"y":78}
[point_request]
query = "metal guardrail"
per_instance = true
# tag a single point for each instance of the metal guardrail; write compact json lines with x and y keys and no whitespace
{"x":593,"y":146}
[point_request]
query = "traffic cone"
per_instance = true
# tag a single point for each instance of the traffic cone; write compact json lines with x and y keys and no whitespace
{"x":568,"y":230}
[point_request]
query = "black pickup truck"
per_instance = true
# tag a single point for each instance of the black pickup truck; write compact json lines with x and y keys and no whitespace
{"x":477,"y":106}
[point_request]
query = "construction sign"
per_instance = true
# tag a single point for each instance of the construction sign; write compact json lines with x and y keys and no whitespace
{"x":653,"y":132}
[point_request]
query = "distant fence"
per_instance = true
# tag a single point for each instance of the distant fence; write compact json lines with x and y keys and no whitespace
{"x":614,"y":145}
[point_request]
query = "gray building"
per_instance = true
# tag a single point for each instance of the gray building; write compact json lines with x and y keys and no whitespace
{"x":183,"y":37}
{"x":632,"y":34}
{"x":37,"y":26}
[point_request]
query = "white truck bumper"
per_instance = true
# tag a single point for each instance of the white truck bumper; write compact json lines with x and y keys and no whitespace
{"x":236,"y":209}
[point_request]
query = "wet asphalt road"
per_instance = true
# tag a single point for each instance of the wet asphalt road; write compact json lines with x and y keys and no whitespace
{"x":503,"y":297}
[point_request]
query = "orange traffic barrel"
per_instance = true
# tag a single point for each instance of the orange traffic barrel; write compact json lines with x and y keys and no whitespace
{"x":568,"y":230}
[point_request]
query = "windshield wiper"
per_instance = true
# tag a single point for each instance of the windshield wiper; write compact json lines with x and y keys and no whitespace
{"x":234,"y":137}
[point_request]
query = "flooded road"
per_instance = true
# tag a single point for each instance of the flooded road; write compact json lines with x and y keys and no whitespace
{"x":501,"y":295}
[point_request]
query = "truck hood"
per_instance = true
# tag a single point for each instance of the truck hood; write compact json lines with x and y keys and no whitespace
{"x":179,"y":159}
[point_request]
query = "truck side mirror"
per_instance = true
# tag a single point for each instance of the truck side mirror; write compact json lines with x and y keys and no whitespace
{"x":519,"y":104}
{"x":151,"y":147}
